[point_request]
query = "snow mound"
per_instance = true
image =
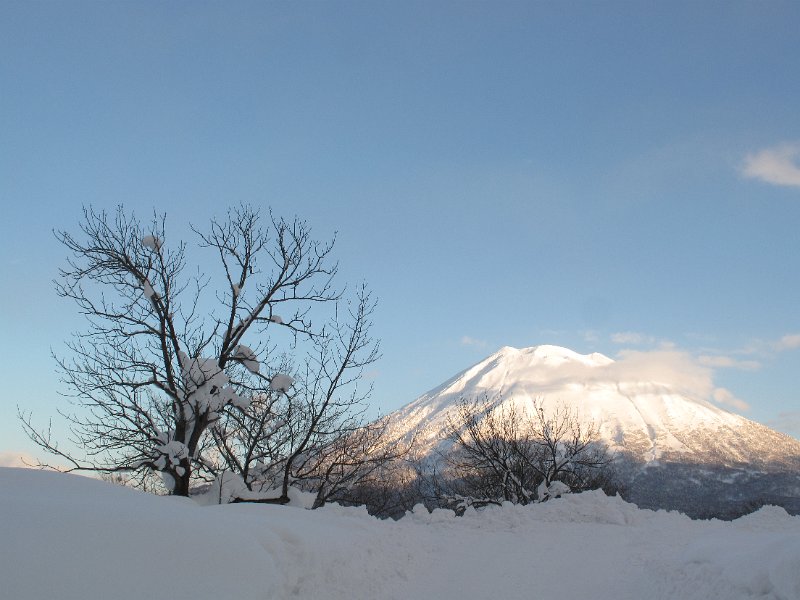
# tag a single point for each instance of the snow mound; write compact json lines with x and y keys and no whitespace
{"x":591,"y":507}
{"x":766,"y":517}
{"x":587,"y":507}
{"x":69,"y":537}
{"x":763,"y":565}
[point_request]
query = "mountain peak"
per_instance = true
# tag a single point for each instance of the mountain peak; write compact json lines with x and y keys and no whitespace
{"x":650,"y":418}
{"x":547,"y":353}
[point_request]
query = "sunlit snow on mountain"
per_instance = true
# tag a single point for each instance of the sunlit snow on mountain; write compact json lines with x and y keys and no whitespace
{"x":675,"y":447}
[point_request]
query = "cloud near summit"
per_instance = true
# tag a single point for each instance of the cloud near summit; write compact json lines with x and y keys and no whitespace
{"x":470,"y":341}
{"x":670,"y":367}
{"x":678,"y":369}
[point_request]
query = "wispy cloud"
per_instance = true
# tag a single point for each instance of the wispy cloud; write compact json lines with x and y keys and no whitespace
{"x":470,"y":341}
{"x":645,"y":357}
{"x":591,"y":336}
{"x":718,"y":361}
{"x":671,"y":368}
{"x":678,"y":369}
{"x":788,"y":422}
{"x":371,"y":375}
{"x":633,"y":338}
{"x":788,"y":342}
{"x":723,"y":396}
{"x":777,"y":165}
{"x":766,"y":348}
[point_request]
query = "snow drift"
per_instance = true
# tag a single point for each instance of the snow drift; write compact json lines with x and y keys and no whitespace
{"x":68,"y":537}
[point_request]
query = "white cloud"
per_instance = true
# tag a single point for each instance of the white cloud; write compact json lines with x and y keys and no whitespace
{"x":677,"y":369}
{"x":371,"y":375}
{"x":723,"y":396}
{"x":788,"y":342}
{"x":591,"y":336}
{"x":767,"y":348}
{"x":666,"y":368}
{"x":726,"y":362}
{"x":632,"y":337}
{"x":788,"y":422}
{"x":777,"y":165}
{"x":470,"y":341}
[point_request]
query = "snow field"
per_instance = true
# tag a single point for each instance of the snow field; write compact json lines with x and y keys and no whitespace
{"x":64,"y":536}
{"x":71,"y":537}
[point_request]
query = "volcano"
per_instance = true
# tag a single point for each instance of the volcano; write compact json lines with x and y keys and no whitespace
{"x":674,"y":448}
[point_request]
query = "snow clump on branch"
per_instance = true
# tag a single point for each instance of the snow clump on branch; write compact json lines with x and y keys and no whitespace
{"x":152,"y":242}
{"x":247,"y":357}
{"x":206,"y":384}
{"x":555,"y":490}
{"x":281,"y":383}
{"x":149,"y":292}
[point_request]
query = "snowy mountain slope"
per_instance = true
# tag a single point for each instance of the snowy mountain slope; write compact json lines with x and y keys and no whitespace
{"x":649,"y":420}
{"x":69,"y":537}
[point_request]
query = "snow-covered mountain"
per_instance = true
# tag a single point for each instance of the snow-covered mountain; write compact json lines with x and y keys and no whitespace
{"x":648,"y":420}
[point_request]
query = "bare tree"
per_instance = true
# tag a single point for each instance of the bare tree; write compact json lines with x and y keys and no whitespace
{"x":155,"y":370}
{"x":352,"y":462}
{"x":490,"y":460}
{"x":314,"y":437}
{"x":500,"y":453}
{"x":568,"y":450}
{"x":393,"y":489}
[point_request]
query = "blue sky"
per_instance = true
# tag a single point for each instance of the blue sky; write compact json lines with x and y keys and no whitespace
{"x":616,"y":177}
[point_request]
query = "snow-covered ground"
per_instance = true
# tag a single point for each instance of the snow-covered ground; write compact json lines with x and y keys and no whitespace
{"x":69,"y":537}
